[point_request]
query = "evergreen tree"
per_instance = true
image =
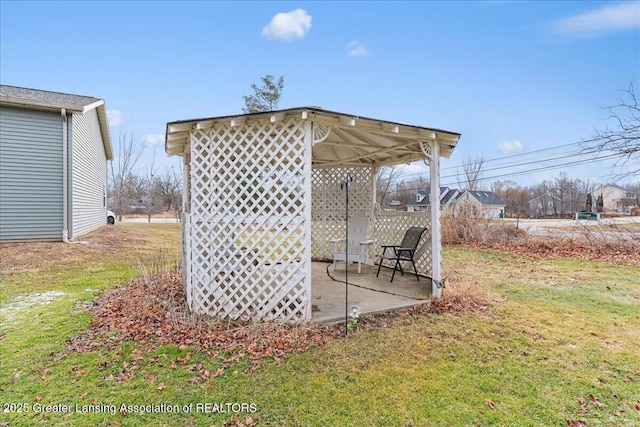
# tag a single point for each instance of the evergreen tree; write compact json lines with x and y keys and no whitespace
{"x":265,"y":98}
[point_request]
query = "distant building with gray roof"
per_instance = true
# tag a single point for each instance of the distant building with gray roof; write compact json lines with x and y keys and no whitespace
{"x":482,"y":203}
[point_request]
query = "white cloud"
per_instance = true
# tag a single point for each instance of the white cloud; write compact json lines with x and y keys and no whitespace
{"x":285,"y":26}
{"x":610,"y":18}
{"x":150,"y":139}
{"x":116,"y":117}
{"x":508,"y":147}
{"x":355,"y":48}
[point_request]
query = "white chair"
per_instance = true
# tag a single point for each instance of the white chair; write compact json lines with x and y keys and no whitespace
{"x":359,"y":246}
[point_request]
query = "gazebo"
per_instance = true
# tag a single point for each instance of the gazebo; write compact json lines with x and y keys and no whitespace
{"x":262,"y":198}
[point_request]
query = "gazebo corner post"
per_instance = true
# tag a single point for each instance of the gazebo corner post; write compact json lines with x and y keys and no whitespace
{"x":436,"y":235}
{"x":372,"y":213}
{"x":308,"y":188}
{"x":186,"y":226}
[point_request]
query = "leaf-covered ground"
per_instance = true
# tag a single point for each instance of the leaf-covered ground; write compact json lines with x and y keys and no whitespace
{"x":152,"y":310}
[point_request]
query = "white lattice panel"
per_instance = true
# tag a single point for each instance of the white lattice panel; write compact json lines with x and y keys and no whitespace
{"x":248,"y":226}
{"x":328,"y":196}
{"x":328,"y":204}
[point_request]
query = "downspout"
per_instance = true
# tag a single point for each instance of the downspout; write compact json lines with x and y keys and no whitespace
{"x":65,"y":166}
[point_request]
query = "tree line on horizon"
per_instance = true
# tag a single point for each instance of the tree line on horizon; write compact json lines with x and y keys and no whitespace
{"x":572,"y":194}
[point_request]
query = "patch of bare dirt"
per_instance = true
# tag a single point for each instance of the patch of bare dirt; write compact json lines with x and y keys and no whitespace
{"x":22,"y":257}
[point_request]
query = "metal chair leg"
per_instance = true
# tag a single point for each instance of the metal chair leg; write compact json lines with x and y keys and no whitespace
{"x":379,"y":267}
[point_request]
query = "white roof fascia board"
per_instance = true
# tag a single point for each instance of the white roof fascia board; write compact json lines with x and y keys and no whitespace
{"x":103,"y":121}
{"x":177,"y":136}
{"x":179,"y":127}
{"x":93,"y":105}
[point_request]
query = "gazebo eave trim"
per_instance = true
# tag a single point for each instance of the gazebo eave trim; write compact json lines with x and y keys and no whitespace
{"x":400,"y":135}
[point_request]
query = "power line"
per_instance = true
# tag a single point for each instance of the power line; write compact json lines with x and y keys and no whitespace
{"x":528,"y":153}
{"x":519,"y":164}
{"x":550,"y":167}
{"x":526,"y":172}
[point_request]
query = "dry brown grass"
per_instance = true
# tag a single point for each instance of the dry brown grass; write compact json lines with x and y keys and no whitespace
{"x":118,"y":241}
{"x":605,"y":243}
{"x":462,"y":294}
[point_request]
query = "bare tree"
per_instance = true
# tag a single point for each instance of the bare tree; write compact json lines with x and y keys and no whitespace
{"x":471,"y":173}
{"x":386,"y":180}
{"x":170,"y":185}
{"x":122,"y":176}
{"x":633,"y":189}
{"x":514,"y":196}
{"x":561,"y":185}
{"x":623,"y":137}
{"x":151,"y":190}
{"x":266,"y":97}
{"x":406,"y":190}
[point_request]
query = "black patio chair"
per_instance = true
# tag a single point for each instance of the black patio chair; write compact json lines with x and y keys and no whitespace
{"x":405,"y":251}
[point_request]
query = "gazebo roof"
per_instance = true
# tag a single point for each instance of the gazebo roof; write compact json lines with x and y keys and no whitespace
{"x":340,"y":140}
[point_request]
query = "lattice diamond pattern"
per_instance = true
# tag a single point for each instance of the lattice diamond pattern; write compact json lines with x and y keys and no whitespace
{"x":328,"y":204}
{"x":247,"y":222}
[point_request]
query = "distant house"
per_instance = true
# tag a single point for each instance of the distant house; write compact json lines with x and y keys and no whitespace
{"x":545,"y":205}
{"x":483,"y":204}
{"x":54,"y":149}
{"x":421,"y":201}
{"x":394,"y":205}
{"x":557,"y":204}
{"x":614,"y":198}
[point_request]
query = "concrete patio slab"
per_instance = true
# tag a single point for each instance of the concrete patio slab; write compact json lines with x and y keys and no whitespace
{"x":372,"y":294}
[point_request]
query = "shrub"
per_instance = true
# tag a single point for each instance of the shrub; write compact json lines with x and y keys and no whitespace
{"x":463,"y":227}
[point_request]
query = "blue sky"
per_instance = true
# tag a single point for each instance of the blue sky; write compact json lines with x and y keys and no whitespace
{"x":511,"y":76}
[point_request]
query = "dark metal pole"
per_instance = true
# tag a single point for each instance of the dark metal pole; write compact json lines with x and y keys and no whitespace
{"x":345,"y":185}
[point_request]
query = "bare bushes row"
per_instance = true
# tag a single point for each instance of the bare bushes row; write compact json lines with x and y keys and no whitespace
{"x":464,"y":227}
{"x":604,"y":242}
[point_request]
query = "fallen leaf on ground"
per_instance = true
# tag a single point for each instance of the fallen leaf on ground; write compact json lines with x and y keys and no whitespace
{"x":596,"y":402}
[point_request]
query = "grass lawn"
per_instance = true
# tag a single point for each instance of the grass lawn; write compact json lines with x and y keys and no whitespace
{"x":560,"y":346}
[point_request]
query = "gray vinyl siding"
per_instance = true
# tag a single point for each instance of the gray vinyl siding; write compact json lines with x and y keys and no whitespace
{"x":89,"y":174}
{"x":30,"y":174}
